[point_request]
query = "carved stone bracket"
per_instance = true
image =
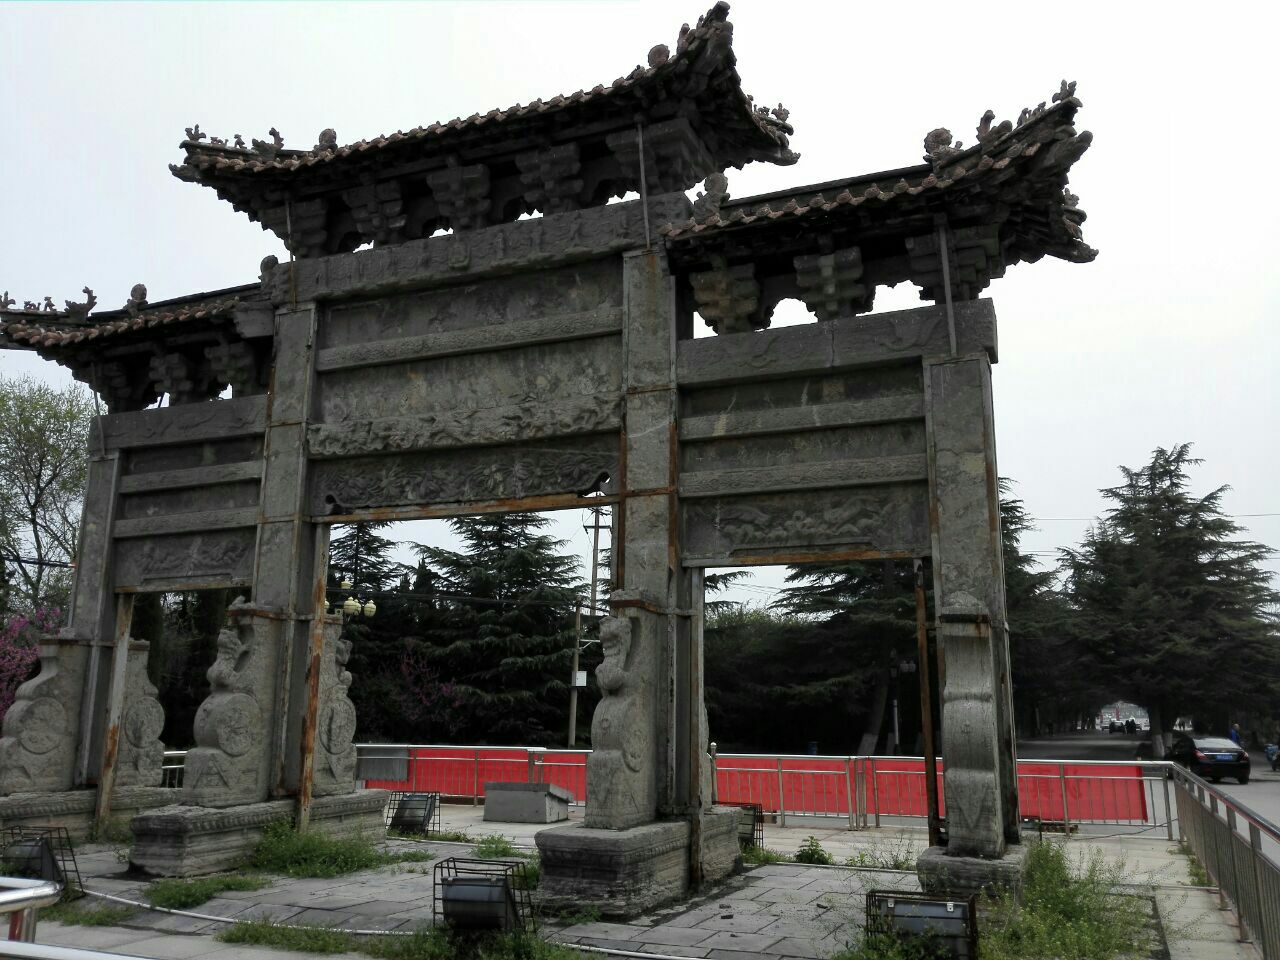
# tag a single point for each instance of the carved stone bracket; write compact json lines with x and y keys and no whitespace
{"x":235,"y":364}
{"x":975,"y":261}
{"x":462,"y":194}
{"x":674,"y":156}
{"x":40,"y":733}
{"x":335,"y":757}
{"x":231,"y":760}
{"x":141,"y":756}
{"x":552,"y":178}
{"x":728,"y":298}
{"x":378,"y":210}
{"x":183,"y":380}
{"x":302,"y":225}
{"x":830,"y":283}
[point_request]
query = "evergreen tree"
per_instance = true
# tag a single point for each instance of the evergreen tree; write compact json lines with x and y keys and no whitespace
{"x":503,"y":643}
{"x":1173,"y":608}
{"x":359,"y":555}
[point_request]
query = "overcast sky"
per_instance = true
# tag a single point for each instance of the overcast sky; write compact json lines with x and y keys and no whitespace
{"x":1171,"y":335}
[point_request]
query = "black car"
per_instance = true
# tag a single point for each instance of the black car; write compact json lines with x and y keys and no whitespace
{"x":1211,"y":757}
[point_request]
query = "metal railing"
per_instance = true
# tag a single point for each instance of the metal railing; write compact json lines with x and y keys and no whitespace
{"x":22,"y":899}
{"x":1237,"y":848}
{"x":172,"y":769}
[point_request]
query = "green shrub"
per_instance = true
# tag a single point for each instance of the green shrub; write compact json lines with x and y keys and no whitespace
{"x":284,"y":850}
{"x":496,"y":846}
{"x":811,"y":851}
{"x":1064,"y":914}
{"x":184,"y":894}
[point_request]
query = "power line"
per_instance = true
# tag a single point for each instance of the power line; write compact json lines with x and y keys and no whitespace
{"x":32,"y":560}
{"x":1091,"y":519}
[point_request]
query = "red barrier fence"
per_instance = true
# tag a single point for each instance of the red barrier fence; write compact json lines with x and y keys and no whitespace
{"x":856,"y":788}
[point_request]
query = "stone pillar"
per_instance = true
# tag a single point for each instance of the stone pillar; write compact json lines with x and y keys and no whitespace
{"x":968,"y":570}
{"x":234,"y":727}
{"x":284,"y":567}
{"x":41,"y":728}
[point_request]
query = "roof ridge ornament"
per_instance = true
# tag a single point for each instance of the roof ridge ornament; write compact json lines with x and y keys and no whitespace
{"x":80,"y":311}
{"x":708,"y":202}
{"x":269,"y":150}
{"x":137,"y":299}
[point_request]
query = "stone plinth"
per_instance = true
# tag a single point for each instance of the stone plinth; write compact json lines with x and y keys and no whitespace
{"x":184,"y":841}
{"x":623,"y":873}
{"x":942,"y":874}
{"x":526,"y":802}
{"x":74,"y":809}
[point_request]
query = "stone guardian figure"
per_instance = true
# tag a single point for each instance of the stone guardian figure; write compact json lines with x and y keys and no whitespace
{"x":621,"y":734}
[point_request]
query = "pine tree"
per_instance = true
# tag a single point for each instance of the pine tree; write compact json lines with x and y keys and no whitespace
{"x":362,"y":557}
{"x":503,"y":644}
{"x":1173,"y":608}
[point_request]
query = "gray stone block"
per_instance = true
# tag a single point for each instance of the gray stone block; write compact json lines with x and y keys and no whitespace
{"x":942,"y":874}
{"x":526,"y":802}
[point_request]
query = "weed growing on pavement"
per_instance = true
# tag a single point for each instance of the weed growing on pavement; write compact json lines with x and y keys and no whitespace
{"x":177,"y":894}
{"x":811,"y":851}
{"x":495,"y":846}
{"x":587,"y":914}
{"x":264,"y":933}
{"x":77,"y":913}
{"x":284,"y":850}
{"x":893,"y":856}
{"x":438,"y":944}
{"x":1195,"y":869}
{"x":1064,"y":914}
{"x":756,"y":856}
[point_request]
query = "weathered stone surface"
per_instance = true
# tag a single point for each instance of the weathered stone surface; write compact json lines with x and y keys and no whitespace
{"x":944,"y":874}
{"x":216,"y":558}
{"x":874,"y":521}
{"x":509,"y":248}
{"x":803,"y":476}
{"x":234,"y":726}
{"x":787,"y":420}
{"x":474,"y":476}
{"x":185,"y":424}
{"x":141,"y":754}
{"x":185,"y":841}
{"x":41,"y":728}
{"x":847,"y":343}
{"x":622,"y":790}
{"x":526,"y":802}
{"x":619,"y":872}
{"x":72,"y":809}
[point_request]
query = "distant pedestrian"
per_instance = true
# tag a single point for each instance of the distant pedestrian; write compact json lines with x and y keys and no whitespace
{"x":1234,"y":733}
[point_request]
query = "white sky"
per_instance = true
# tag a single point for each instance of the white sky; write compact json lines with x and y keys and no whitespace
{"x":1170,"y":335}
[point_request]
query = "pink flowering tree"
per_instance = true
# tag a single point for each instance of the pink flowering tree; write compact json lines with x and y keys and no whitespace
{"x":19,"y":637}
{"x":427,"y":701}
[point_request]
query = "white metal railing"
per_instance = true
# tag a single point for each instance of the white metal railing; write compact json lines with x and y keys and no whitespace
{"x":22,"y":899}
{"x":1237,"y":848}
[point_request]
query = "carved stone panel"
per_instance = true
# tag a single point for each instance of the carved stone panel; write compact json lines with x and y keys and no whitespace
{"x":233,"y":728}
{"x":335,"y":756}
{"x":215,"y":558}
{"x":40,"y":732}
{"x":483,"y":475}
{"x":140,"y":759}
{"x":873,"y":521}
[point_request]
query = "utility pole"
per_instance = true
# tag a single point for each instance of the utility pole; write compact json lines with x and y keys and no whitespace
{"x":595,"y":528}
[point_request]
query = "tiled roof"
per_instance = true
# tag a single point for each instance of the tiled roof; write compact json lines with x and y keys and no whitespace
{"x":42,"y":333}
{"x":1040,"y":149}
{"x":752,"y":131}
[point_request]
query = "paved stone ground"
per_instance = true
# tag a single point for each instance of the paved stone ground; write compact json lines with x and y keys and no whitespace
{"x":766,"y":913}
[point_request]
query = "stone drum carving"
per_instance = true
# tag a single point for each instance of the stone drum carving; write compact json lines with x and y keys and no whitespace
{"x":620,"y":734}
{"x":141,"y":756}
{"x":335,"y":764}
{"x":37,"y":750}
{"x":229,"y":763}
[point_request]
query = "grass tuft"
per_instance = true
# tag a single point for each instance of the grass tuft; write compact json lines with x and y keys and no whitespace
{"x":284,"y":850}
{"x":77,"y":913}
{"x":811,"y":851}
{"x":264,"y":933}
{"x":495,"y":846}
{"x":1195,"y":869}
{"x":176,"y":894}
{"x":756,"y":856}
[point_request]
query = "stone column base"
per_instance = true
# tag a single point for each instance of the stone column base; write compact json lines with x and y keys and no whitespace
{"x":623,"y":873}
{"x":75,"y":809}
{"x":942,"y":875}
{"x":181,"y":841}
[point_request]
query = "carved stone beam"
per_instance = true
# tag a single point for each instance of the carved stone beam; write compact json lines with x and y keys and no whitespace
{"x":552,"y":178}
{"x":122,"y":387}
{"x":378,"y":210}
{"x":463,"y":195}
{"x":728,"y":298}
{"x":675,"y":158}
{"x":975,"y":261}
{"x":831,"y":283}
